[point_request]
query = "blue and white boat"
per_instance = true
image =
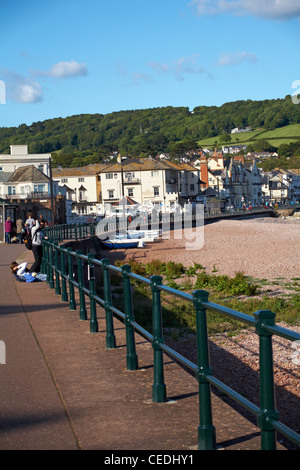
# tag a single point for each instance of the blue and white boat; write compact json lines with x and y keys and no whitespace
{"x":123,"y":243}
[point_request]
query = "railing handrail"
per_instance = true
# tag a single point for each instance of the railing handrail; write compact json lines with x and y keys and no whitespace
{"x":55,"y":258}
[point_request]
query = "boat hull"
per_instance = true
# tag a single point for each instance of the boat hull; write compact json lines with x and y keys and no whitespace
{"x":121,"y":243}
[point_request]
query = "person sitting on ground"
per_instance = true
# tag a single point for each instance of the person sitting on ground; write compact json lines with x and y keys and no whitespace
{"x":21,"y":270}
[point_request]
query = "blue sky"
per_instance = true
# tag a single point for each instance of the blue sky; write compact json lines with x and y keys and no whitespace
{"x":65,"y":57}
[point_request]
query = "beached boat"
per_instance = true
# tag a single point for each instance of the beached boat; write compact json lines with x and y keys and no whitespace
{"x":123,"y":243}
{"x":145,"y":234}
{"x":131,"y":234}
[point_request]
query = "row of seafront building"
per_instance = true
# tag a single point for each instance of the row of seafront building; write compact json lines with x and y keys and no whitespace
{"x":164,"y":184}
{"x":28,"y":183}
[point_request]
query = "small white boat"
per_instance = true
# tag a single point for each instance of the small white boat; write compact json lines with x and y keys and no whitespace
{"x":123,"y":243}
{"x":132,"y":234}
{"x":152,"y":234}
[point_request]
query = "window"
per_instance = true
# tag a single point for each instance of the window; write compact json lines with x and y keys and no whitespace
{"x":192,"y":187}
{"x":156,"y":190}
{"x":11,"y":190}
{"x":154,"y":173}
{"x":110,"y":194}
{"x":39,"y":188}
{"x":109,"y":176}
{"x":130,"y":192}
{"x":1,"y":168}
{"x":82,"y":195}
{"x":64,"y":180}
{"x":129,"y":175}
{"x":80,"y":180}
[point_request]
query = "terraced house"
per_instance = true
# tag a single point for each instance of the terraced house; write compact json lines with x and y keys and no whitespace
{"x":148,"y":181}
{"x":82,"y":186}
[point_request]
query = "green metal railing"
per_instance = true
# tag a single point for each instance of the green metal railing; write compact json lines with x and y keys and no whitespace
{"x":59,"y":264}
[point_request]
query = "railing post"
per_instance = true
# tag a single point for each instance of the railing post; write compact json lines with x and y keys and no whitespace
{"x":64,"y":293}
{"x":72,"y":303}
{"x":132,"y":360}
{"x":51,"y":276}
{"x":92,"y":289}
{"x":46,"y":265}
{"x":206,"y":430}
{"x":82,"y":311}
{"x":267,"y":395}
{"x":110,"y":336}
{"x":43,"y":269}
{"x":159,"y":387}
{"x":57,"y":283}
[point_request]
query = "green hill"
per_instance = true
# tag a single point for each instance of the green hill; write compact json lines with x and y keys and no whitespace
{"x":283,"y":135}
{"x":88,"y":138}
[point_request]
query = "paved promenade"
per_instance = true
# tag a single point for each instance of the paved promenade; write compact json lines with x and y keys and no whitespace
{"x":62,"y":390}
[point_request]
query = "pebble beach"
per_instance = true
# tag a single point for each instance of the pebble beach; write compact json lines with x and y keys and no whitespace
{"x":264,"y":248}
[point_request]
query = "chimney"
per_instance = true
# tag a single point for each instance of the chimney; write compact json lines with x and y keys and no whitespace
{"x":203,"y":171}
{"x":19,"y":149}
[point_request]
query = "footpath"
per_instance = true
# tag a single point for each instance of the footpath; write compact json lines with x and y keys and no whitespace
{"x":61,"y":389}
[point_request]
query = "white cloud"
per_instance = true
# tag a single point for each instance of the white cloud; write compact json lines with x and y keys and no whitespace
{"x":22,"y":89}
{"x":270,"y":9}
{"x":65,"y":69}
{"x":236,"y":58}
{"x":28,"y":90}
{"x":28,"y":93}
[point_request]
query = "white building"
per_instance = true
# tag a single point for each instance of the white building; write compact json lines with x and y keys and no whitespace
{"x":150,"y":182}
{"x":83,"y":188}
{"x":19,"y":156}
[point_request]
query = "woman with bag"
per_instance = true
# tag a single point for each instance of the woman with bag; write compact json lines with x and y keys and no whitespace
{"x":37,"y":248}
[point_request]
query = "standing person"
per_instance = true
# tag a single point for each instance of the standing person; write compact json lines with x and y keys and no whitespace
{"x":19,"y":225}
{"x":41,"y":219}
{"x":37,"y":248}
{"x":29,"y":221}
{"x":8,"y":230}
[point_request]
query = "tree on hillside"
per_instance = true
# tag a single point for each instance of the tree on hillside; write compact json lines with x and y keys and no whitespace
{"x":225,"y":138}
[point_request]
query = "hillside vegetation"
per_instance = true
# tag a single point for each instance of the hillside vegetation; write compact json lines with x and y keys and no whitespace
{"x":88,"y":138}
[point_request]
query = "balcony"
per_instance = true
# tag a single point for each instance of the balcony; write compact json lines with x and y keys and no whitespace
{"x":131,"y":180}
{"x":29,"y":195}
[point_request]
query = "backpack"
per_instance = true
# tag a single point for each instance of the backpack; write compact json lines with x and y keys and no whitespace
{"x":19,"y":278}
{"x":29,"y":278}
{"x":28,"y":239}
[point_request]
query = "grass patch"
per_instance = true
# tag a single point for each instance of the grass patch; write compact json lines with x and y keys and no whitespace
{"x":223,"y":290}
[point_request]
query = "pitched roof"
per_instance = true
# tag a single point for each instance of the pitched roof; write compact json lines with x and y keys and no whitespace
{"x":27,"y":174}
{"x":88,"y":170}
{"x":144,"y":164}
{"x":5,"y":175}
